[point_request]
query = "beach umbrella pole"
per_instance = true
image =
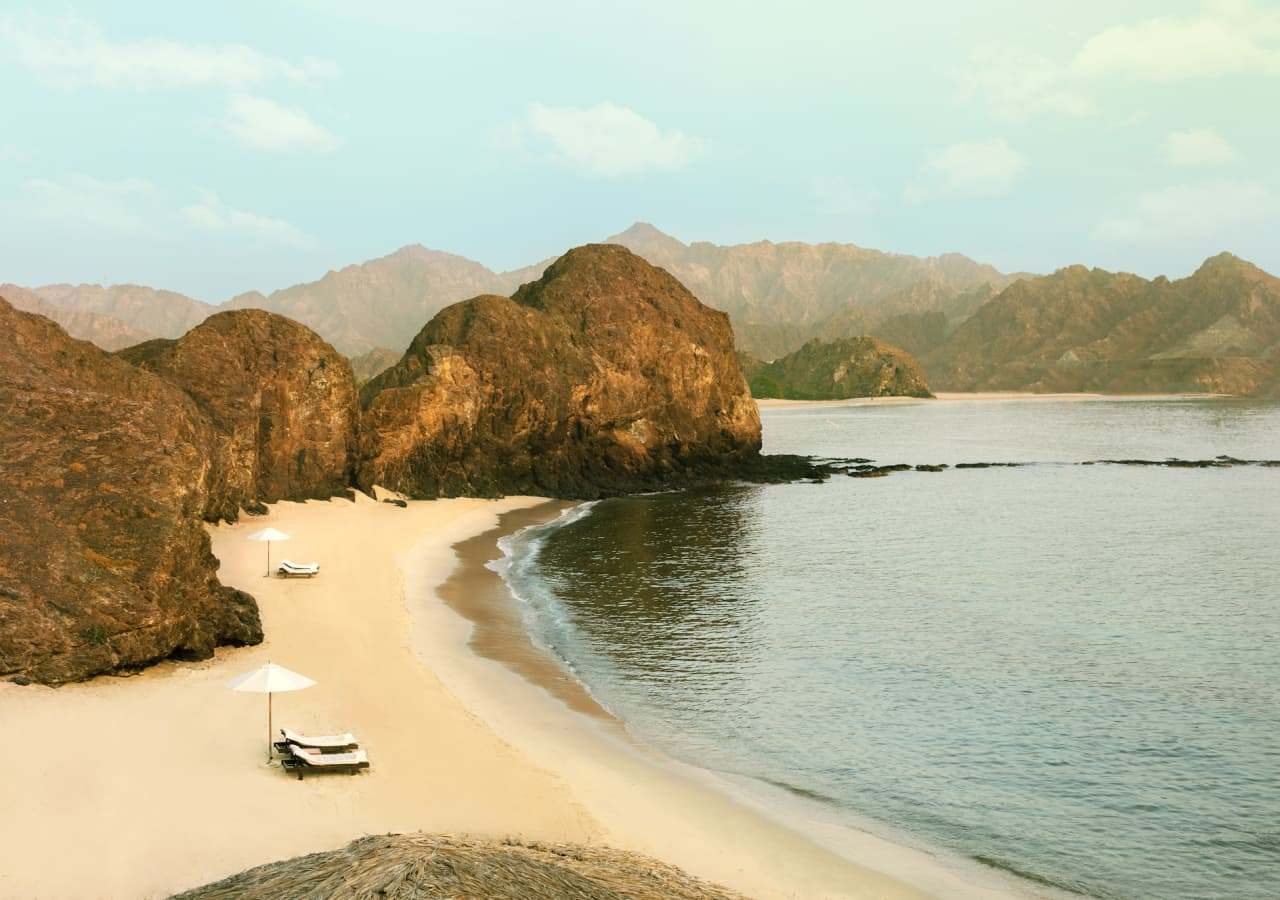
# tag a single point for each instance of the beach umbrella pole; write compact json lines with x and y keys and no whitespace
{"x":268,"y":572}
{"x":269,"y":732}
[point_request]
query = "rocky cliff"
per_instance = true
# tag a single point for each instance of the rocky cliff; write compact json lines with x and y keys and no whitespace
{"x":1090,"y":330}
{"x":840,"y":370}
{"x":104,"y":475}
{"x":606,"y":375}
{"x":281,"y":401}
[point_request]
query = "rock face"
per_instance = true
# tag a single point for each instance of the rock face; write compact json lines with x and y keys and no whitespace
{"x":281,"y":400}
{"x":840,"y":370}
{"x":1089,"y":330}
{"x":604,"y":376}
{"x":104,"y":475}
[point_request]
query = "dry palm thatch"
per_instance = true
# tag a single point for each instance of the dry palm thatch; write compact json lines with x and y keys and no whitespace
{"x":422,"y":866}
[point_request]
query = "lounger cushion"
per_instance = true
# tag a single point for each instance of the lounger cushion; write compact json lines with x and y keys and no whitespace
{"x":314,"y":757}
{"x":346,"y":739}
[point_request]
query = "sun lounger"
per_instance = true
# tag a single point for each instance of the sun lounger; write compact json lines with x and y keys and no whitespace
{"x":288,"y":569}
{"x":302,"y":760}
{"x":325,"y":743}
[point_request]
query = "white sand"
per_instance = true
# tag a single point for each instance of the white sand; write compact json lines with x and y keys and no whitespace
{"x":141,"y":786}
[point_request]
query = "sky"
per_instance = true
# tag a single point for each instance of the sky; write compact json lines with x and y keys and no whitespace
{"x":218,"y":148}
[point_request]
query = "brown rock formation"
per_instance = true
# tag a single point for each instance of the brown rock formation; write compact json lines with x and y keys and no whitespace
{"x":281,"y":399}
{"x":604,"y":376}
{"x":840,"y":370}
{"x":104,"y":473}
{"x":1090,"y":330}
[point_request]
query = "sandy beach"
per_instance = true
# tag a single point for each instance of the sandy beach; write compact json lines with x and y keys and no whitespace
{"x":144,"y":785}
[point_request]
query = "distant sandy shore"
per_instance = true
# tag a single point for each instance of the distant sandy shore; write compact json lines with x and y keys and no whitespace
{"x":953,"y":397}
{"x":146,"y":785}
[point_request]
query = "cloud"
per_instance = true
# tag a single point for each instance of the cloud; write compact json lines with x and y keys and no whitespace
{"x":123,"y":206}
{"x":1189,"y":212}
{"x":1227,"y":37}
{"x":212,"y":215}
{"x":1018,"y":84}
{"x":72,"y":52}
{"x":266,"y":125}
{"x":1198,"y":147}
{"x":838,"y":196}
{"x":608,"y":140}
{"x":977,"y":169}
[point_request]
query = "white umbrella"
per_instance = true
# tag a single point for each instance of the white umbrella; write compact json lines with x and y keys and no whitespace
{"x":268,"y":535}
{"x":270,"y":679}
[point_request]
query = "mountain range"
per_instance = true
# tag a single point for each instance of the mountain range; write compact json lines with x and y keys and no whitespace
{"x":970,"y":325}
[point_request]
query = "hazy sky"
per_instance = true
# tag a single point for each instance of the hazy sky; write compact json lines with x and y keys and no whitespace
{"x":219,"y":147}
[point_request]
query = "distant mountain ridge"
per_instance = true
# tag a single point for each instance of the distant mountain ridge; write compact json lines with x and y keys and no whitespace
{"x":776,"y":294}
{"x":968,"y":324}
{"x":779,"y":295}
{"x":1082,"y":329}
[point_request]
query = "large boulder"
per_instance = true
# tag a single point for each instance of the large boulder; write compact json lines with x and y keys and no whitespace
{"x":840,"y":370}
{"x":104,"y":475}
{"x":606,"y":375}
{"x":282,"y":400}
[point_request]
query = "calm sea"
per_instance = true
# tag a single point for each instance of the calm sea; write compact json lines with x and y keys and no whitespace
{"x":1070,"y":672}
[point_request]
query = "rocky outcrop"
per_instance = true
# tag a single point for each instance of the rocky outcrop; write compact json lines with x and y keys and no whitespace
{"x":1090,"y":330}
{"x":104,"y":475}
{"x":423,"y":866}
{"x":604,"y":376}
{"x":281,"y":400}
{"x":367,"y":366}
{"x":840,"y":370}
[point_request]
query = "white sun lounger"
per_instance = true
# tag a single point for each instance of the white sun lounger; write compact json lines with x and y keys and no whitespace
{"x":288,"y":569}
{"x":302,"y":760}
{"x":328,"y":743}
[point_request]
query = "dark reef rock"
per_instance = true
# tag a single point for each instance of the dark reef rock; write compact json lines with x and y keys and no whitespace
{"x":602,"y":377}
{"x":282,"y":400}
{"x":104,"y":475}
{"x":839,"y":370}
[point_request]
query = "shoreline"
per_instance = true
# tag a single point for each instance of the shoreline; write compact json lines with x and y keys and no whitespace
{"x":573,"y":736}
{"x":158,"y":779}
{"x":980,"y":396}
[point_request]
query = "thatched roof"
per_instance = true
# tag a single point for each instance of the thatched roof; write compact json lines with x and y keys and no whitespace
{"x":422,"y":866}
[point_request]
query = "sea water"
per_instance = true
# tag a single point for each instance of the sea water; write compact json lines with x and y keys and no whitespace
{"x":1068,"y":672}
